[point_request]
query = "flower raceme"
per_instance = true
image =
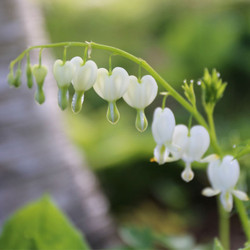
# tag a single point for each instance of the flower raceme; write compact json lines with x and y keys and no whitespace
{"x":223,"y":176}
{"x":140,"y":94}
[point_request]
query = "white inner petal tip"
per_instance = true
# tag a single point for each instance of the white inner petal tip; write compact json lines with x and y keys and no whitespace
{"x":187,"y":175}
{"x":240,"y":195}
{"x":209,"y":192}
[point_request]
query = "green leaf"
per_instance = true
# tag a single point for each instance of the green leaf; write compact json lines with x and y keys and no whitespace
{"x":40,"y":225}
{"x":217,"y":245}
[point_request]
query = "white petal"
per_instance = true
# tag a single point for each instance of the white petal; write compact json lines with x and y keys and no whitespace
{"x":85,"y":76}
{"x":198,"y":143}
{"x":240,"y":195}
{"x":101,"y":80}
{"x":187,"y":174}
{"x":140,"y":95}
{"x":180,"y":138}
{"x":209,"y":192}
{"x":63,"y":73}
{"x":226,"y":199}
{"x":229,"y":172}
{"x":209,"y":158}
{"x":77,"y":62}
{"x":163,"y":125}
{"x":160,"y":154}
{"x":112,"y":87}
{"x":214,"y":174}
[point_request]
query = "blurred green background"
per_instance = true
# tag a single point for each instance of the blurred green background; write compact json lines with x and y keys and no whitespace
{"x":179,"y":39}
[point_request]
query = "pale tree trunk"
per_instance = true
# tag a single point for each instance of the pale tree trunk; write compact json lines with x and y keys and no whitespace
{"x":35,"y":155}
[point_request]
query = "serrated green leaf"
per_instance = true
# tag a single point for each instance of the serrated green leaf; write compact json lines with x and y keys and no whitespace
{"x":40,"y":225}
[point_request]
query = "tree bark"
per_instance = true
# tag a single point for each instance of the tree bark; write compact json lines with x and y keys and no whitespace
{"x":35,"y":155}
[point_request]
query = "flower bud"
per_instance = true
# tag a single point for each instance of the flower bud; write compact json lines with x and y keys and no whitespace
{"x":39,"y":72}
{"x":29,"y":76}
{"x":11,"y":78}
{"x":17,"y":80}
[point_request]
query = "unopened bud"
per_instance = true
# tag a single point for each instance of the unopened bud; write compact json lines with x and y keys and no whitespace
{"x":29,"y":76}
{"x":39,"y":72}
{"x":63,"y":97}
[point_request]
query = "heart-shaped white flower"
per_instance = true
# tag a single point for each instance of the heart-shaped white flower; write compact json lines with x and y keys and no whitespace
{"x":84,"y":78}
{"x":223,"y":176}
{"x":191,"y":146}
{"x":111,"y":87}
{"x":63,"y":73}
{"x":85,"y":74}
{"x":139,"y":95}
{"x":163,"y":128}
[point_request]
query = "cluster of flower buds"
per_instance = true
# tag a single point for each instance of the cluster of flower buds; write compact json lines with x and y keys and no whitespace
{"x":175,"y":142}
{"x":111,"y":86}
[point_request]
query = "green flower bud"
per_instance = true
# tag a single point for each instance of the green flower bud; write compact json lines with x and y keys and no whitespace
{"x":189,"y":92}
{"x":11,"y":78}
{"x":212,"y":88}
{"x":39,"y":72}
{"x":17,"y":80}
{"x":77,"y":101}
{"x":29,"y":76}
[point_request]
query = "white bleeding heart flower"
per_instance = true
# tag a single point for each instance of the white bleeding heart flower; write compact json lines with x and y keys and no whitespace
{"x":192,"y":145}
{"x":223,"y":176}
{"x":163,"y":128}
{"x":111,"y":87}
{"x":139,"y":95}
{"x":84,"y":78}
{"x":63,"y":73}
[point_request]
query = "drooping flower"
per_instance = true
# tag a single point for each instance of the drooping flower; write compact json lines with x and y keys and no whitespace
{"x":39,"y":72}
{"x":139,"y":95}
{"x":111,"y":87}
{"x":84,"y":78}
{"x":63,"y":73}
{"x":192,"y":145}
{"x":163,"y":128}
{"x":223,"y":176}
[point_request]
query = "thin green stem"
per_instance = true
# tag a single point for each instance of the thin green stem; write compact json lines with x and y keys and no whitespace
{"x":224,"y":226}
{"x":212,"y":131}
{"x":243,"y":217}
{"x":65,"y":54}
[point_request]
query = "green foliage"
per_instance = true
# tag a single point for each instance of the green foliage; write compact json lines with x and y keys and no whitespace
{"x":242,"y":149}
{"x":144,"y":238}
{"x":40,"y":225}
{"x":217,"y":245}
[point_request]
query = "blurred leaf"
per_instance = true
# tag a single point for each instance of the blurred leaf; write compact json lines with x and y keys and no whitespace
{"x":242,"y":149}
{"x":217,"y":245}
{"x":40,"y":225}
{"x":138,"y":238}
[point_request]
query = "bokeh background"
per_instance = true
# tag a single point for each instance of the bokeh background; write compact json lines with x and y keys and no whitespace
{"x":179,"y":39}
